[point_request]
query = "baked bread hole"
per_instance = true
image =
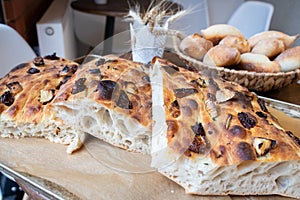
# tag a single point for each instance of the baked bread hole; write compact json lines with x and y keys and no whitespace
{"x":88,"y":122}
{"x":144,"y":139}
{"x":121,"y":126}
{"x":105,"y":116}
{"x":282,"y":182}
{"x":69,"y":111}
{"x":128,"y":142}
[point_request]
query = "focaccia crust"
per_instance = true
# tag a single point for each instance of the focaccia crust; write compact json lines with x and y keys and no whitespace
{"x":28,"y":88}
{"x":118,"y":84}
{"x":219,"y":138}
{"x":228,"y":123}
{"x":109,"y":98}
{"x":26,"y":94}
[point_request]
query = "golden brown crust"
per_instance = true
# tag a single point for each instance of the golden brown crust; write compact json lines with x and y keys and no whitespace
{"x":29,"y":87}
{"x":118,"y":84}
{"x":229,"y":124}
{"x":222,"y":56}
{"x":195,"y":46}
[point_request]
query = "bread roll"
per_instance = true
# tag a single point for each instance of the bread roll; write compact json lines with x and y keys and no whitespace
{"x":217,"y":32}
{"x":195,"y":46}
{"x":258,"y":63}
{"x":289,"y":59}
{"x":269,"y":47}
{"x":222,"y":56}
{"x":287,"y":39}
{"x":237,"y":42}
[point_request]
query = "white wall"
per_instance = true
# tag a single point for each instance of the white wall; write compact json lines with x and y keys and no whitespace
{"x":196,"y":19}
{"x":286,"y":17}
{"x":220,"y":10}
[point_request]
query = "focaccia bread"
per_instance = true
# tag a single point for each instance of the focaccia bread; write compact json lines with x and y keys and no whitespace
{"x":219,"y":138}
{"x":26,"y":93}
{"x":109,"y":98}
{"x":216,"y":138}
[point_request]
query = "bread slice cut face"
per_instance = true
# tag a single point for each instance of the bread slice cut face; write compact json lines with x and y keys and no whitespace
{"x":218,"y":138}
{"x":26,"y":93}
{"x":109,"y":98}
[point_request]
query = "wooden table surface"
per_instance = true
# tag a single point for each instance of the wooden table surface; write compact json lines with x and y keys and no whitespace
{"x":290,"y":94}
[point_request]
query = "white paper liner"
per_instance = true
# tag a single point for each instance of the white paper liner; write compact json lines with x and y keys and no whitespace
{"x":86,"y":178}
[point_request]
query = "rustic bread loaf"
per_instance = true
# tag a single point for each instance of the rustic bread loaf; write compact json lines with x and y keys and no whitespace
{"x":26,"y":93}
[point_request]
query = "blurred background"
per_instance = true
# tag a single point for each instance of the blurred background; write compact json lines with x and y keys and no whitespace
{"x":53,"y":25}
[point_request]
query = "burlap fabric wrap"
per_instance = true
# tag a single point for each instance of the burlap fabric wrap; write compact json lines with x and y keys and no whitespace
{"x":260,"y":82}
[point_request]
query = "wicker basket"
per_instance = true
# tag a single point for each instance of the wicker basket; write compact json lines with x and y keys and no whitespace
{"x":260,"y":82}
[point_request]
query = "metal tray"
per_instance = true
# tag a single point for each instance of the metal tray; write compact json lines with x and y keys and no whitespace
{"x":49,"y":190}
{"x":290,"y":109}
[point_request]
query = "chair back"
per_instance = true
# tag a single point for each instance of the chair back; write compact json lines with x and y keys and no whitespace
{"x":252,"y":17}
{"x":14,"y":49}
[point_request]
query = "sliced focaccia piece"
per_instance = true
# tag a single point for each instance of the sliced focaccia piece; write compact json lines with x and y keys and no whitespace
{"x":109,"y":98}
{"x":218,"y":138}
{"x":26,"y":93}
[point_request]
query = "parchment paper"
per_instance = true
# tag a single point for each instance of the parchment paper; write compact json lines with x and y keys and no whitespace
{"x":87,"y":178}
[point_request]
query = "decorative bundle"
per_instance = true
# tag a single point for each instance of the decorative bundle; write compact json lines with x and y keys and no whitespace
{"x":148,"y":30}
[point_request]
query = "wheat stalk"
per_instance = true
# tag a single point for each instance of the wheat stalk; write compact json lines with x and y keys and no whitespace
{"x":159,"y":14}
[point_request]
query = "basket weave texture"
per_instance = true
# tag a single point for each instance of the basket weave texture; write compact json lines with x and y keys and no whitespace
{"x":254,"y":81}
